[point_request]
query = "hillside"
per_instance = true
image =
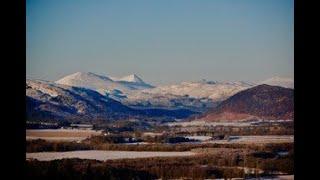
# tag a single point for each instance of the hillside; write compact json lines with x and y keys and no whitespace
{"x":215,"y":91}
{"x":51,"y":101}
{"x":260,"y":102}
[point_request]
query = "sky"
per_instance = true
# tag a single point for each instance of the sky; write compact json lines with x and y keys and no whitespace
{"x":163,"y":42}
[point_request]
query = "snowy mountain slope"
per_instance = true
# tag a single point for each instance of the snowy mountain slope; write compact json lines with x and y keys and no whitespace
{"x":199,"y":96}
{"x":134,"y":92}
{"x":216,"y":91}
{"x":132,"y":78}
{"x":169,"y":101}
{"x":47,"y":100}
{"x":279,"y":81}
{"x":72,"y":102}
{"x":103,"y":84}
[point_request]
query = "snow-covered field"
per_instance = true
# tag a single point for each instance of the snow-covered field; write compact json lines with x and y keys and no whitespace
{"x":204,"y":123}
{"x":103,"y":155}
{"x":60,"y":134}
{"x":200,"y":138}
{"x":256,"y":139}
{"x":280,"y":177}
{"x":152,"y":134}
{"x":224,"y":123}
{"x":245,"y":139}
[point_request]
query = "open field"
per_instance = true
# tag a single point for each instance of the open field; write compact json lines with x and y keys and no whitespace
{"x":255,"y":139}
{"x":243,"y":139}
{"x":60,"y":134}
{"x":280,"y":177}
{"x":103,"y":155}
{"x":225,"y":123}
{"x":224,"y":163}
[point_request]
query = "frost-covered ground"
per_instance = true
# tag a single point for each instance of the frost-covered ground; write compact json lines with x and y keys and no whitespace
{"x":256,"y":139}
{"x":60,"y":134}
{"x":136,"y":143}
{"x":280,"y":177}
{"x":200,"y":138}
{"x":152,"y":134}
{"x":246,"y":139}
{"x":226,"y":123}
{"x":102,"y":155}
{"x":204,"y":123}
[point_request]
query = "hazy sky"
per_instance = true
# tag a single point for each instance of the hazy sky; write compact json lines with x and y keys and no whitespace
{"x":162,"y":41}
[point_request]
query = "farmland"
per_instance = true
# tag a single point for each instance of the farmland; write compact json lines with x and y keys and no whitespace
{"x":60,"y":134}
{"x":212,"y":150}
{"x":103,"y":155}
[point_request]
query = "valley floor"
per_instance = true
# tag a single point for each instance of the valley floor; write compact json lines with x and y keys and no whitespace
{"x":103,"y":155}
{"x":178,"y":150}
{"x":60,"y":134}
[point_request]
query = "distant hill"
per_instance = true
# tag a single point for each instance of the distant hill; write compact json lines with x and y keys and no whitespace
{"x":51,"y":101}
{"x":216,"y":91}
{"x":259,"y":102}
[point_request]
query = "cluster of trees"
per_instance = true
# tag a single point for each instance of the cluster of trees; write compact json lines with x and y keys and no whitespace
{"x":88,"y":169}
{"x":112,"y":139}
{"x":44,"y":124}
{"x":226,"y":164}
{"x":126,"y":137}
{"x":40,"y":145}
{"x":269,"y":129}
{"x":71,"y":169}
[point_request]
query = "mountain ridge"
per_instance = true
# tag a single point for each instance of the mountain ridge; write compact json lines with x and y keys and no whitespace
{"x":48,"y":100}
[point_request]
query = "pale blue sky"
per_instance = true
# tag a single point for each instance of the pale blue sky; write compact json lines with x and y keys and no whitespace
{"x":162,"y":41}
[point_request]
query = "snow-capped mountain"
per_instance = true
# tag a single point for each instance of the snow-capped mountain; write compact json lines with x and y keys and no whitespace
{"x":128,"y":91}
{"x":279,"y":81}
{"x":51,"y":101}
{"x":88,"y":95}
{"x":216,"y":91}
{"x":104,"y":84}
{"x":132,"y":89}
{"x":132,"y":78}
{"x":60,"y":101}
{"x":199,"y":96}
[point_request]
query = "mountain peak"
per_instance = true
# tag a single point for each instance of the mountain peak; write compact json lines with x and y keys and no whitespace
{"x":103,"y":83}
{"x":132,"y":78}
